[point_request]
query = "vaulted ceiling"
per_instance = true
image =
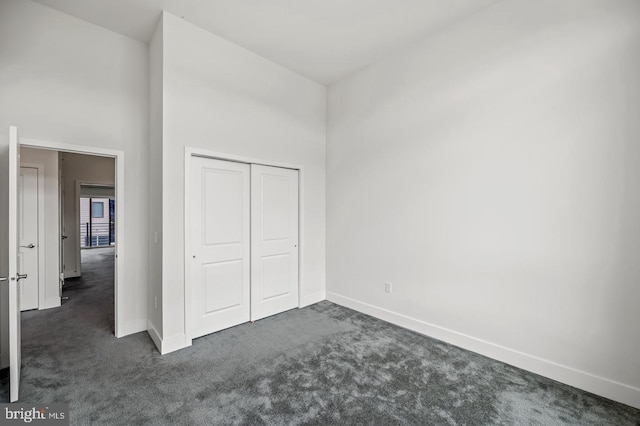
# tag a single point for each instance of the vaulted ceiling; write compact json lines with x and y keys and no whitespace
{"x":324,"y":40}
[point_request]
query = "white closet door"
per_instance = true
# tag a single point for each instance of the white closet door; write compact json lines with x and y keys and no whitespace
{"x":274,"y":240}
{"x":220,"y":239}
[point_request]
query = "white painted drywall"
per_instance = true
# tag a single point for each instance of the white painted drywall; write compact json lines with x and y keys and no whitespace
{"x":78,"y":169}
{"x":221,"y":97}
{"x":50,"y":297}
{"x":491,"y":174}
{"x":68,"y":81}
{"x":154,"y":304}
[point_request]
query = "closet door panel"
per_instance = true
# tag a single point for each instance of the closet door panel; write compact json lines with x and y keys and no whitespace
{"x":274,"y":240}
{"x":220,"y":239}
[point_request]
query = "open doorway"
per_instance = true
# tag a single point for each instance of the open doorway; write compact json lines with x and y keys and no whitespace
{"x":88,"y":201}
{"x":82,"y":185}
{"x":87,"y":188}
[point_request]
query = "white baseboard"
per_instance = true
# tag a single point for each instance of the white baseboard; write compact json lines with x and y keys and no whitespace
{"x":153,"y":333}
{"x":173,"y":343}
{"x":54,"y":302}
{"x":616,"y":391}
{"x":131,"y":327}
{"x":165,"y":346}
{"x":310,"y":299}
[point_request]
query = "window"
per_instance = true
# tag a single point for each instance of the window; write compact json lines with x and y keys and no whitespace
{"x":97,"y":222}
{"x":97,"y":209}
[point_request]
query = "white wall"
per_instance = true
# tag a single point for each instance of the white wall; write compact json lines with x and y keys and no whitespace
{"x":65,"y":80}
{"x":491,"y":174}
{"x":50,"y":297}
{"x":80,"y":169}
{"x":221,"y":97}
{"x":154,"y":304}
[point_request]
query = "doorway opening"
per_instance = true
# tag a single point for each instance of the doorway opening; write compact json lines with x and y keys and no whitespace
{"x":51,"y":283}
{"x":88,"y":190}
{"x":83,"y":222}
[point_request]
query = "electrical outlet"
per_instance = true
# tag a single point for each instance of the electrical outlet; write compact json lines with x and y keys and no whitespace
{"x":388,"y":287}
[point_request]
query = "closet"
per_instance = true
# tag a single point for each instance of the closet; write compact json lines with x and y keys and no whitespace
{"x":244,"y":243}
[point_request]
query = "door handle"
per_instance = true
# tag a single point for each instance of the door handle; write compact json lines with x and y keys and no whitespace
{"x":22,"y":276}
{"x":4,"y":279}
{"x":29,"y":246}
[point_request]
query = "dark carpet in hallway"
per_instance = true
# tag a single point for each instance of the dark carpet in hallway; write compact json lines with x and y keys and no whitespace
{"x":323,"y":364}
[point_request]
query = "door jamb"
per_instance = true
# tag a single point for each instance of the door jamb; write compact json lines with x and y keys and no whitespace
{"x":41,"y":237}
{"x":199,"y":152}
{"x":118,"y":155}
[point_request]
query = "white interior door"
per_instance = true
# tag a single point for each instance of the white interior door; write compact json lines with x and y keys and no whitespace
{"x":28,"y":236}
{"x":274,"y":240}
{"x":61,"y":226}
{"x":220,"y":264}
{"x":14,"y":272}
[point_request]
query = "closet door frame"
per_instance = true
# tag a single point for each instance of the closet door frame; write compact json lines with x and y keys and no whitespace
{"x":190,"y":152}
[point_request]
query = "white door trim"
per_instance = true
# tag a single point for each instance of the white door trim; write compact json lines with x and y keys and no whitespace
{"x":199,"y":152}
{"x":41,"y":237}
{"x":120,"y":249}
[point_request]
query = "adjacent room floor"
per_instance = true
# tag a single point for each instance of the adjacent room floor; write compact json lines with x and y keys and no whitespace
{"x":323,"y":364}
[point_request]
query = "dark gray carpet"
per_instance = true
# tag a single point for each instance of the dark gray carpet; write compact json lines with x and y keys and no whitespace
{"x":324,"y":364}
